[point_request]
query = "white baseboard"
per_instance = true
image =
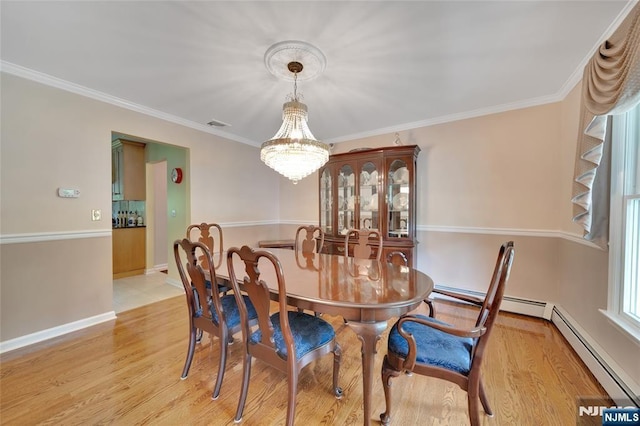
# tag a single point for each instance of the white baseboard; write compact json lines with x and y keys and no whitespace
{"x":50,"y":333}
{"x":620,"y":387}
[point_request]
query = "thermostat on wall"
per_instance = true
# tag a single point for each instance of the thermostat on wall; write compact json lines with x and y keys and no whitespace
{"x":68,"y":193}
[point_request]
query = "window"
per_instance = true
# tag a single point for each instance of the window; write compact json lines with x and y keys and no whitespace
{"x":624,"y":241}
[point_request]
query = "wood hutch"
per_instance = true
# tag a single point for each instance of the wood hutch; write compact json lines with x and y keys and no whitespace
{"x":370,"y":189}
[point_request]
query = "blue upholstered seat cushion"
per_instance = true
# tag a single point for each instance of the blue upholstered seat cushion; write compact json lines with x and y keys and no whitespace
{"x":435,"y":347}
{"x":230,"y":308}
{"x":231,"y":311}
{"x":309,"y":332}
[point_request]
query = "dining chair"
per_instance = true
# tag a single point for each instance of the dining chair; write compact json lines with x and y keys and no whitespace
{"x":429,"y":347}
{"x":366,"y":240}
{"x":208,"y":311}
{"x":287,"y":340}
{"x":204,"y":235}
{"x":399,"y":258}
{"x":309,"y":239}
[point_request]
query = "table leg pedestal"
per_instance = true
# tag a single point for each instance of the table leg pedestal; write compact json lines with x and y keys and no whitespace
{"x":369,"y":334}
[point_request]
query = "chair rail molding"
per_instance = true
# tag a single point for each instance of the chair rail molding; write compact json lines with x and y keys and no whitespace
{"x":35,"y":237}
{"x":547,"y":233}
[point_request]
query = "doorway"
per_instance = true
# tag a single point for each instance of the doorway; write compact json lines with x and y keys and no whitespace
{"x":161,"y":197}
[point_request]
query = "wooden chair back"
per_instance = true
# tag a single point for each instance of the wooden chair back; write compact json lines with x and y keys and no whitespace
{"x":203,"y":234}
{"x":309,"y":239}
{"x":258,"y":291}
{"x":366,"y":238}
{"x":400,"y":259}
{"x":491,"y":305}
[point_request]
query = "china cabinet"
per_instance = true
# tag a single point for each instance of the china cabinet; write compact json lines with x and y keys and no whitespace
{"x":370,"y":189}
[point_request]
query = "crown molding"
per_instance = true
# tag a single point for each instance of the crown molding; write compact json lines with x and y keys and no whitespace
{"x":58,"y":83}
{"x":452,"y":117}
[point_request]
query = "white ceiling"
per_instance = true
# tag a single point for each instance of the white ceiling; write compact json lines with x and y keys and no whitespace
{"x":391,"y":65}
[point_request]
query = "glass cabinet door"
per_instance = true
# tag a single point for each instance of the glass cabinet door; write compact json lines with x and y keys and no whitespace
{"x":369,"y":197}
{"x":346,"y":199}
{"x":326,"y":202}
{"x":398,"y":197}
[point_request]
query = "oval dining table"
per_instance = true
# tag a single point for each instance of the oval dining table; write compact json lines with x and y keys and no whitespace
{"x":365,"y":292}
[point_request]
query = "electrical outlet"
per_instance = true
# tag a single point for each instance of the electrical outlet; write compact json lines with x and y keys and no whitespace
{"x":96,"y":215}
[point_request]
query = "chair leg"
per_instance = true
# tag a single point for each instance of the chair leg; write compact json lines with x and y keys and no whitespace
{"x":337,"y":357}
{"x":192,"y":346}
{"x":387,"y":373}
{"x":199,"y":336}
{"x":472,"y":402}
{"x":222,"y":363}
{"x":485,"y":401}
{"x":293,"y":388}
{"x":246,"y":373}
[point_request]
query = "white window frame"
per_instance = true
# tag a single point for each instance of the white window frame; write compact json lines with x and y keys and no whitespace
{"x":624,"y":153}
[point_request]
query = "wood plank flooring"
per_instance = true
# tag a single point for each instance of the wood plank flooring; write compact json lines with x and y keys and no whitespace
{"x":127,"y":372}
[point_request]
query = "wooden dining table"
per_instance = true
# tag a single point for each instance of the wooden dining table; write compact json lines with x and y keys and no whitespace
{"x":365,"y":292}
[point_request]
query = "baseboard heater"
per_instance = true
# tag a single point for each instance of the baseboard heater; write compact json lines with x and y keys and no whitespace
{"x":596,"y":359}
{"x":533,"y":308}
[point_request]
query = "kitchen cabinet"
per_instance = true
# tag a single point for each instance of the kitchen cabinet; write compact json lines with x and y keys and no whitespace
{"x":129,"y":248}
{"x":128,"y":174}
{"x":370,"y":189}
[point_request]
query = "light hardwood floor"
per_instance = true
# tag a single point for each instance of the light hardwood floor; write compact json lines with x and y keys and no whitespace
{"x":128,"y":372}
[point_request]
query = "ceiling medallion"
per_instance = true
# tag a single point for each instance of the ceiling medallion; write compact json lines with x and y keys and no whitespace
{"x":278,"y":56}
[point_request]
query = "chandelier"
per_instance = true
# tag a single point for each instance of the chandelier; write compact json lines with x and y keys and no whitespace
{"x":293,"y":151}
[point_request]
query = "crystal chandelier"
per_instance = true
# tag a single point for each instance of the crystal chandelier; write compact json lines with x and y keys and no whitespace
{"x":293,"y":151}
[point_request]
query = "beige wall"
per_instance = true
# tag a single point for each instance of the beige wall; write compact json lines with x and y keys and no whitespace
{"x":48,"y":284}
{"x":487,"y":172}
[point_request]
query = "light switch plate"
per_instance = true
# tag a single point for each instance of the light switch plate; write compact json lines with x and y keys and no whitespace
{"x":96,"y":215}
